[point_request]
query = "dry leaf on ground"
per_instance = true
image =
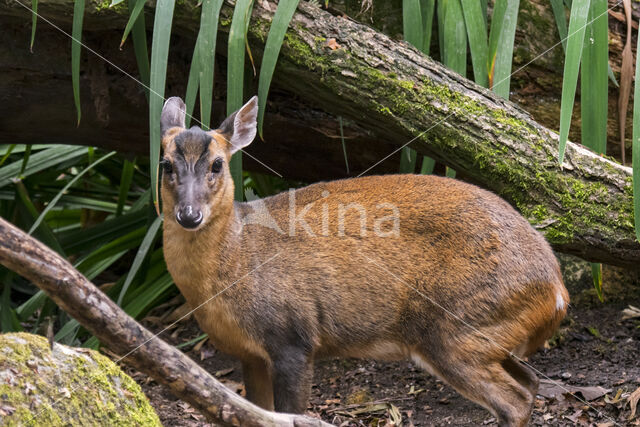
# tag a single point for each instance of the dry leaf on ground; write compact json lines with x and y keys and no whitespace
{"x":633,"y":402}
{"x":630,"y":312}
{"x":555,"y":389}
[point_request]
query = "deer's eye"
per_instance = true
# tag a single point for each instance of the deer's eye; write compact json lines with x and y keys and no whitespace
{"x":167,"y":167}
{"x":216,"y":167}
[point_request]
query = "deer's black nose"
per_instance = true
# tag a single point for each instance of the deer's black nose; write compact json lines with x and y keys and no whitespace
{"x":188,"y":217}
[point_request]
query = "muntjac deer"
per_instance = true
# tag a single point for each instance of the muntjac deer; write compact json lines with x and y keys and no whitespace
{"x":388,"y":267}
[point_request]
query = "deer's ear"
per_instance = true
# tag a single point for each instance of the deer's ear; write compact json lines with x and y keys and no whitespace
{"x":173,"y":114}
{"x":240,"y":127}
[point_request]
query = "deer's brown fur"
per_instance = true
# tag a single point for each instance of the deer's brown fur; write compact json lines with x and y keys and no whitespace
{"x":461,"y":284}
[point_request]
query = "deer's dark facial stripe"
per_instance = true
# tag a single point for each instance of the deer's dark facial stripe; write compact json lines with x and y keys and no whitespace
{"x":192,"y":143}
{"x":191,"y":166}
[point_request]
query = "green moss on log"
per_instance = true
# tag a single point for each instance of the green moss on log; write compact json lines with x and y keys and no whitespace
{"x":66,"y":386}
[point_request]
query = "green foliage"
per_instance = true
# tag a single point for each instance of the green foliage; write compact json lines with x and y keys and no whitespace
{"x":636,"y":147}
{"x":427,"y":9}
{"x":76,"y":32}
{"x":206,"y":56}
{"x":279,"y":26}
{"x":135,"y":7}
{"x":235,"y":85}
{"x":417,"y":24}
{"x":158,"y":76}
{"x":454,"y":36}
{"x":477,"y":31}
{"x":594,"y":80}
{"x":575,"y":43}
{"x":43,"y":160}
{"x":561,"y":21}
{"x":501,"y":38}
{"x":64,"y":189}
{"x":408,"y":160}
{"x":594,"y":93}
{"x":143,"y":251}
{"x":58,"y":192}
{"x":34,"y":21}
{"x":413,"y":26}
{"x":125,"y":185}
{"x":344,"y":145}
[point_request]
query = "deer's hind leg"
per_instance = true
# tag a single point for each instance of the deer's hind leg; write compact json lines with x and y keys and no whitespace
{"x":487,"y":383}
{"x":523,"y":374}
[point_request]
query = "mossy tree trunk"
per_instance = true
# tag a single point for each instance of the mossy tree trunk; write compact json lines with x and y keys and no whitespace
{"x":387,"y":88}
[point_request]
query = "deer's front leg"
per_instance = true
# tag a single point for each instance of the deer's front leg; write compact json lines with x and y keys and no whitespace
{"x":292,"y":372}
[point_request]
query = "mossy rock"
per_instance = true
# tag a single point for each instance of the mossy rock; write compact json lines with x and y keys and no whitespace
{"x":65,"y":386}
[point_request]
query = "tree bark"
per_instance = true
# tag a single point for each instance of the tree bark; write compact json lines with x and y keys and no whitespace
{"x":583,"y":207}
{"x":143,"y":350}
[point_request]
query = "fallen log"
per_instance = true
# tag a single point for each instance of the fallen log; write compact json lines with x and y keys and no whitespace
{"x":122,"y":334}
{"x":583,"y":207}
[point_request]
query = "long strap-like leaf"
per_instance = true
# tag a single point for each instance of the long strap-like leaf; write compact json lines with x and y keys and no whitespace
{"x":501,"y":39}
{"x":478,"y":44}
{"x":139,"y":36}
{"x":158,"y":75}
{"x":279,"y":25}
{"x":575,"y":41}
{"x":193,"y":83}
{"x":636,"y":147}
{"x":134,"y":13}
{"x":594,"y":93}
{"x":76,"y":33}
{"x":455,"y":37}
{"x":235,"y":79}
{"x":561,"y":21}
{"x":126,"y":178}
{"x":594,"y":83}
{"x":413,"y":29}
{"x":206,"y":56}
{"x":427,"y":8}
{"x":412,"y":22}
{"x":34,"y":21}
{"x":143,"y":250}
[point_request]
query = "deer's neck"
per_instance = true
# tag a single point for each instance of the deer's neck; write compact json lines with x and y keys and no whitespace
{"x":202,"y":261}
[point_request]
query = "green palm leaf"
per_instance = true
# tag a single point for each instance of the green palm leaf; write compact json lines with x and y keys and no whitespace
{"x":412,"y":23}
{"x":76,"y":32}
{"x":235,"y":79}
{"x":158,"y":75}
{"x":125,"y":184}
{"x":40,"y":161}
{"x":478,"y":44}
{"x":279,"y":25}
{"x":206,"y":56}
{"x":53,"y":201}
{"x":594,"y":93}
{"x":501,"y":39}
{"x":575,"y":41}
{"x":136,"y":7}
{"x":427,"y":8}
{"x":455,"y":37}
{"x":636,"y":147}
{"x":143,"y":250}
{"x":193,"y":83}
{"x":34,"y":21}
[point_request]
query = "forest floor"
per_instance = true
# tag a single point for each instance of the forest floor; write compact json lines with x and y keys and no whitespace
{"x":595,"y":356}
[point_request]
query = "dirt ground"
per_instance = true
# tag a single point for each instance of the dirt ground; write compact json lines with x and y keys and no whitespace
{"x":588,"y":375}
